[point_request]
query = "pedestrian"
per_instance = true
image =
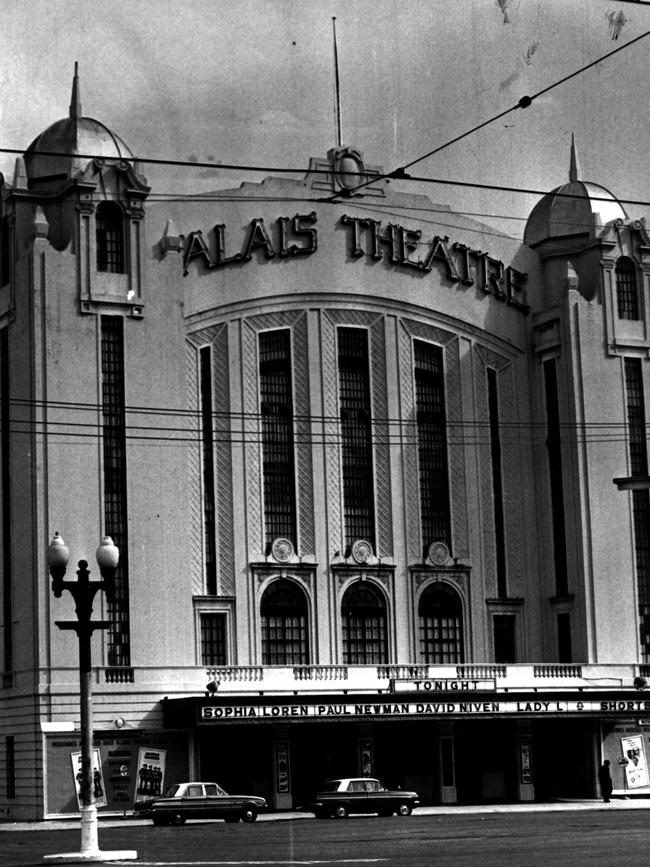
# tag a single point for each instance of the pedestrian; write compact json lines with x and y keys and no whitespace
{"x":605,"y":780}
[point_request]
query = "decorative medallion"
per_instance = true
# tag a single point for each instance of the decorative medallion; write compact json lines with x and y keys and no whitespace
{"x":361,"y":551}
{"x":348,"y":167}
{"x":282,"y":550}
{"x":438,"y":553}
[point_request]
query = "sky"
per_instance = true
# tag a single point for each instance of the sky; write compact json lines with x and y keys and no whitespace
{"x":251,"y":83}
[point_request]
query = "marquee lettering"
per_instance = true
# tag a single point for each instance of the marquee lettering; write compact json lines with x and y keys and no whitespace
{"x":396,"y":244}
{"x":492,"y":706}
{"x":258,"y":238}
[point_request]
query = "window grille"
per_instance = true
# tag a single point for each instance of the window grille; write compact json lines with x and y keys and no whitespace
{"x":109,"y":234}
{"x":432,"y":444}
{"x":441,"y":625}
{"x":6,"y":558}
{"x":277,"y":435}
{"x":214,"y":638}
{"x":556,"y":478}
{"x":356,"y":435}
{"x":638,"y":449}
{"x":364,"y":626}
{"x":207,"y":448}
{"x":284,"y":625}
{"x":115,"y":483}
{"x":497,"y":482}
{"x":627,"y":296}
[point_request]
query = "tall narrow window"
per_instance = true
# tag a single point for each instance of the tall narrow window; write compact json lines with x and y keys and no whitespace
{"x":5,"y":505}
{"x":363,"y":611}
{"x":356,"y":435}
{"x":214,"y":638}
{"x":638,"y":449}
{"x":432,"y":444}
{"x":627,"y":296}
{"x":284,"y":625}
{"x":115,"y":487}
{"x":497,"y":482}
{"x":505,"y":644}
{"x":277,"y":436}
{"x":440,"y":617}
{"x":207,"y":448}
{"x":109,"y":233}
{"x":5,"y":252}
{"x":554,"y":450}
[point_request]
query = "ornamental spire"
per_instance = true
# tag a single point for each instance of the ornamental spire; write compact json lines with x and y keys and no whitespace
{"x":574,"y":169}
{"x":75,"y":101}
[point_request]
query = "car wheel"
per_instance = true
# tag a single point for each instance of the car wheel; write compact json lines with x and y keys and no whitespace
{"x":404,"y":809}
{"x":340,"y":811}
{"x":176,"y":819}
{"x":249,"y":814}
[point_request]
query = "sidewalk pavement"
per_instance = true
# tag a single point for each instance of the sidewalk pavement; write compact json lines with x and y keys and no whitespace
{"x":117,"y":821}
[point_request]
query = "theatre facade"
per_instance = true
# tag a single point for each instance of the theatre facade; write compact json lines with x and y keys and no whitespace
{"x":377,"y":474}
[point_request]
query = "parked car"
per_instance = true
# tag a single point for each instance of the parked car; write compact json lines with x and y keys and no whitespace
{"x":361,"y":795}
{"x":182,"y":801}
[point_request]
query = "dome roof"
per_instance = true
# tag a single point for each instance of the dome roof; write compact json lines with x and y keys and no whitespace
{"x":572,"y":209}
{"x":64,"y":140}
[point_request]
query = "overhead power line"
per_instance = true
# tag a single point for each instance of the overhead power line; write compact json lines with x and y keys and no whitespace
{"x":524,"y":102}
{"x":399,"y":173}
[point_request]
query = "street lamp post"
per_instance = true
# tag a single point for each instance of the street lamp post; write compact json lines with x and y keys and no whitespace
{"x":83,"y":591}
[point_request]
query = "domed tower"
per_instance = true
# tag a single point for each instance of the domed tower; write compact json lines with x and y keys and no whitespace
{"x":62,"y":150}
{"x":572,"y":214}
{"x":570,"y":228}
{"x":83,"y":192}
{"x":591,"y":342}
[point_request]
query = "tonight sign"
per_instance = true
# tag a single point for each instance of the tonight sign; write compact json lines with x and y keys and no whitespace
{"x":295,"y":236}
{"x":230,"y":713}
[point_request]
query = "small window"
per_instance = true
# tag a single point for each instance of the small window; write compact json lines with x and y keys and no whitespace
{"x":627,"y":296}
{"x":109,"y":225}
{"x":10,"y":767}
{"x":214,"y":639}
{"x":504,"y":638}
{"x":564,"y":637}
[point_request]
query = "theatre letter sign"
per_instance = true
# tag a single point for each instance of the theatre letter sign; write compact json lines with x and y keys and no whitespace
{"x":397,"y":245}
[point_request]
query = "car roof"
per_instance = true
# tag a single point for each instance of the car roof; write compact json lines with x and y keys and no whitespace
{"x":352,"y":779}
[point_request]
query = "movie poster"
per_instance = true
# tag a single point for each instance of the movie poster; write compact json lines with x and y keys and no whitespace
{"x":636,"y":769}
{"x":150,"y":774}
{"x":99,"y":791}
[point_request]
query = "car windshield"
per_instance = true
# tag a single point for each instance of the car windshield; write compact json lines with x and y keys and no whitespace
{"x":332,"y":786}
{"x":170,"y":791}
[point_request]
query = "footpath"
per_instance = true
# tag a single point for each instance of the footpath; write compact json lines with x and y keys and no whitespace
{"x":119,"y":820}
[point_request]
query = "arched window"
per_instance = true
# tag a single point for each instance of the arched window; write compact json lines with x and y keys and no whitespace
{"x":627,"y":296}
{"x":109,"y":228}
{"x":441,"y":625}
{"x":284,"y":624}
{"x":363,"y":614}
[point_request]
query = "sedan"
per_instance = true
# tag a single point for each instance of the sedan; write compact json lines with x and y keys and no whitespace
{"x":182,"y":801}
{"x":361,"y":795}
